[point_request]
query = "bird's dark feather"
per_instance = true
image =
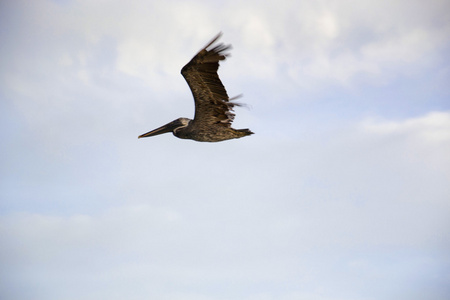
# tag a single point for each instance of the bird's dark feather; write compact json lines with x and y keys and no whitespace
{"x":212,"y":104}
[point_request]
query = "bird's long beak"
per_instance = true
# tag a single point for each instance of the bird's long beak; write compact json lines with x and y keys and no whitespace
{"x":169,"y":127}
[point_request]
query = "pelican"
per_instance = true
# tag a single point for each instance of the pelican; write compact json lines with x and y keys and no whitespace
{"x":213,"y":108}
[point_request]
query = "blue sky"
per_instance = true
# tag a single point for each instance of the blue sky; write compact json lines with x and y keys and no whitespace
{"x":342,"y":193}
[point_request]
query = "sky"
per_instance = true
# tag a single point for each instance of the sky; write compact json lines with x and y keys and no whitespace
{"x":342,"y":193}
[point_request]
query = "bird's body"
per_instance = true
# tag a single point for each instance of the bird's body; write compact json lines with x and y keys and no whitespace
{"x":212,"y":133}
{"x":213,"y":108}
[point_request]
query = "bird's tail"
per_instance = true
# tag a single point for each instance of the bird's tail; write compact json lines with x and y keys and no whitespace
{"x":244,"y":132}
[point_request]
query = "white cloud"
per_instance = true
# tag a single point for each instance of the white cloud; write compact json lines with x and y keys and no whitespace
{"x":433,"y":127}
{"x":426,"y":139}
{"x":342,"y":41}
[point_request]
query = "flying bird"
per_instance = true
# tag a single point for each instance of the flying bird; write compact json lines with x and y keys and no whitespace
{"x":213,"y":108}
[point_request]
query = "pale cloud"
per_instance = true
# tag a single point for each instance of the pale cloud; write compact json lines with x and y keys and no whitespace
{"x":329,"y":25}
{"x":341,"y":42}
{"x":433,"y":127}
{"x":426,"y":138}
{"x":295,"y":44}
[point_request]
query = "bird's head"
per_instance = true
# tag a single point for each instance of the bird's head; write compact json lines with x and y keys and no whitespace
{"x":169,"y":127}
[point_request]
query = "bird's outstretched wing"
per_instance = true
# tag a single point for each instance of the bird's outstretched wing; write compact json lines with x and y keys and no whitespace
{"x":212,"y":104}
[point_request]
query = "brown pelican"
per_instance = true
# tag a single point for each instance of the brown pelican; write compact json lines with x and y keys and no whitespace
{"x":213,"y":107}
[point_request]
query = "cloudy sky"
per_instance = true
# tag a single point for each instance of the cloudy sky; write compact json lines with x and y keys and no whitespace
{"x":342,"y":194}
